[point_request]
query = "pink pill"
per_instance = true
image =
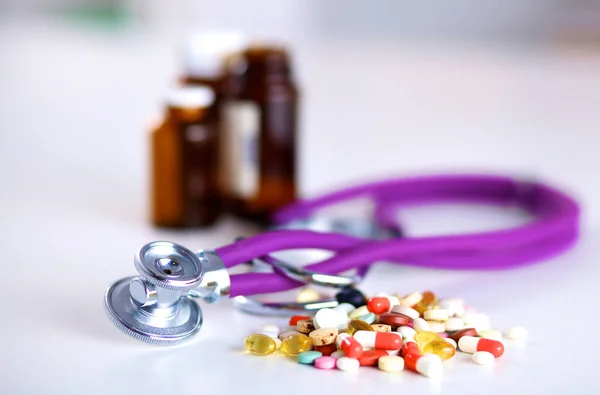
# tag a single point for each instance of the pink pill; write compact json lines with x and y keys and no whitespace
{"x":443,"y":334}
{"x":410,"y":324}
{"x":325,"y":363}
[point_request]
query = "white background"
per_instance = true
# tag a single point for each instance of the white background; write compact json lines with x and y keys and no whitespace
{"x":75,"y":107}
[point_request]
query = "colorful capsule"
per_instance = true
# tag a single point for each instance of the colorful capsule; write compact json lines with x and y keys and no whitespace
{"x":327,"y":349}
{"x":425,"y":336}
{"x":429,"y":301}
{"x":349,"y":345}
{"x":259,"y":344}
{"x":295,"y":344}
{"x":286,"y":333}
{"x":379,"y":305}
{"x":409,"y":347}
{"x":441,"y":348}
{"x":429,"y":365}
{"x":308,"y":357}
{"x":325,"y":363}
{"x":295,"y":318}
{"x":379,"y":340}
{"x":463,"y":332}
{"x":370,"y":357}
{"x":470,"y":344}
{"x":358,"y":325}
{"x":395,"y":320}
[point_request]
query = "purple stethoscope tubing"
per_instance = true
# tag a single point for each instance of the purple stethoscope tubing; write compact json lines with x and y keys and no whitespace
{"x":553,"y":231}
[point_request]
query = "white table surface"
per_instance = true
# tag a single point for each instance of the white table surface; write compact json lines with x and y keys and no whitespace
{"x":74,"y":109}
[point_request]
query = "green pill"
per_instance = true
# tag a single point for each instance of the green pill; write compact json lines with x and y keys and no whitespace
{"x":308,"y":357}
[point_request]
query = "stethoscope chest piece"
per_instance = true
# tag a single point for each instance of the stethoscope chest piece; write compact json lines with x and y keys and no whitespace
{"x":154,"y":306}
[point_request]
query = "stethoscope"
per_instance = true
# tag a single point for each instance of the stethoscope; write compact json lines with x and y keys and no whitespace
{"x":158,"y":305}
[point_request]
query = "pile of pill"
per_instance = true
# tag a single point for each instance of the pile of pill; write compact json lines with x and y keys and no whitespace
{"x":416,"y":332}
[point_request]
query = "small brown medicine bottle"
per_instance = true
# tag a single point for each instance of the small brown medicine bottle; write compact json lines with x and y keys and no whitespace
{"x":185,"y":155}
{"x":259,"y":141}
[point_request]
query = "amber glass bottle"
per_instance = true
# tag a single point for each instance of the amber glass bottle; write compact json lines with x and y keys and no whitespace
{"x":185,"y":155}
{"x":259,"y":148}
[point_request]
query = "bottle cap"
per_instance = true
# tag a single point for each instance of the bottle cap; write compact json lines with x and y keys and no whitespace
{"x":206,"y":52}
{"x":191,"y":97}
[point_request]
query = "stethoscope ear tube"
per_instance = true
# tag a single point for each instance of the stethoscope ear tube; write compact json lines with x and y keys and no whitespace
{"x":553,"y":231}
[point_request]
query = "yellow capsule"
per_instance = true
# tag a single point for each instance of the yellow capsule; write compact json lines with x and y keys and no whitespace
{"x":295,"y":344}
{"x":441,"y":348}
{"x":358,"y":325}
{"x":428,"y":302}
{"x":425,"y":336}
{"x":259,"y":344}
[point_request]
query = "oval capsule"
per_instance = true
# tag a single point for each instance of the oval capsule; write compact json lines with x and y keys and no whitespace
{"x":379,"y":305}
{"x":441,"y":348}
{"x":463,"y":332}
{"x":370,"y":357}
{"x":470,"y":344}
{"x":395,"y":320}
{"x":358,"y":325}
{"x":349,"y":345}
{"x":260,"y":344}
{"x":379,"y":340}
{"x":295,"y":344}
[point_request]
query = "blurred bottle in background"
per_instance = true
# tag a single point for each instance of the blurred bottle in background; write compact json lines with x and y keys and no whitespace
{"x":205,"y":56}
{"x":260,"y":122}
{"x":185,"y":161}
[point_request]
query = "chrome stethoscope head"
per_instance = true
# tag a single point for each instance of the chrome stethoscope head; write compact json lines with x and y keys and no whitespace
{"x":154,"y":307}
{"x":158,"y":307}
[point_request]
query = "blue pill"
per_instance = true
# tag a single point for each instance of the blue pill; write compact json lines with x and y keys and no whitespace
{"x":369,"y":318}
{"x":308,"y":357}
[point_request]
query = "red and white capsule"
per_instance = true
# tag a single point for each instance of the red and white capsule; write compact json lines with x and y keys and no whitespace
{"x":429,"y":365}
{"x":470,"y":344}
{"x":379,"y":340}
{"x":349,"y":345}
{"x":379,"y":305}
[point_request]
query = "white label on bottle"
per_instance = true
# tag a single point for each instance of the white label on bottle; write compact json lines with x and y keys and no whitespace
{"x":242,"y":138}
